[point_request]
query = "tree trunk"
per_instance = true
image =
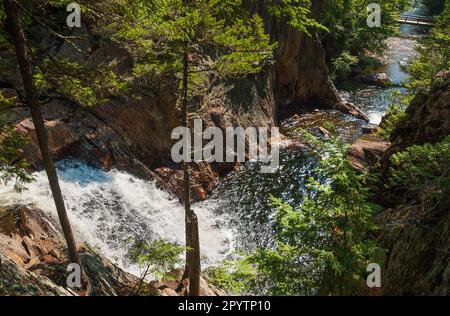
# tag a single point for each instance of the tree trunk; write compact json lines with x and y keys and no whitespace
{"x":20,"y":43}
{"x":193,"y":267}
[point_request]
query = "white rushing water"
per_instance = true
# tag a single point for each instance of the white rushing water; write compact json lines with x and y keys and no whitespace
{"x":106,"y":209}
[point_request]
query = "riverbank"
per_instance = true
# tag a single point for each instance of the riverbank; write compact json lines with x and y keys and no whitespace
{"x":118,"y":182}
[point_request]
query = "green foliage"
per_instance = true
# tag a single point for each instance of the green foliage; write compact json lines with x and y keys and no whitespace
{"x":6,"y":103}
{"x":223,"y":38}
{"x":76,"y":78}
{"x":324,"y":246}
{"x":220,"y":35}
{"x":3,"y":40}
{"x":295,"y":12}
{"x":342,"y":65}
{"x":423,"y":173}
{"x":434,"y":53}
{"x":349,"y":34}
{"x":12,"y":167}
{"x":77,"y":81}
{"x":395,"y":114}
{"x":155,"y":259}
{"x":235,"y":277}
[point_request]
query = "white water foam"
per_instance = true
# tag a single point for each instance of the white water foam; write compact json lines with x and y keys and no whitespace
{"x":375,"y":117}
{"x":106,"y":209}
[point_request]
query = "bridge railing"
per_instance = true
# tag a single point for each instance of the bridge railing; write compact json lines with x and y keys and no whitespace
{"x":415,"y":17}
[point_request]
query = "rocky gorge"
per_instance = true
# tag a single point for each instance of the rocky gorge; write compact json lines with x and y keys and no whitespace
{"x":115,"y":158}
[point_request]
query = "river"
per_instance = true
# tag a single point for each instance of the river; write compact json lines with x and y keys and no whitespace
{"x":244,"y":194}
{"x":107,"y":208}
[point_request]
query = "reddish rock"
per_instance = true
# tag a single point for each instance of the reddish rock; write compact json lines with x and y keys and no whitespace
{"x":61,"y":139}
{"x":366,"y":153}
{"x":178,"y":286}
{"x":378,"y":79}
{"x":203,"y":180}
{"x":32,"y":236}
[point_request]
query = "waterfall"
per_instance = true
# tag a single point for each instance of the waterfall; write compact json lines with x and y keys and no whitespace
{"x":108,"y":208}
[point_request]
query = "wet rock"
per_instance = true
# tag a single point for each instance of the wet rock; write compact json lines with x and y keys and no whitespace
{"x":60,"y":138}
{"x":74,"y":131}
{"x":350,"y":108}
{"x":380,"y":79}
{"x":204,"y":178}
{"x":106,"y":278}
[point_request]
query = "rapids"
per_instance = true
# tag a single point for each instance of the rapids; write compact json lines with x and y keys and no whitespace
{"x":108,"y":209}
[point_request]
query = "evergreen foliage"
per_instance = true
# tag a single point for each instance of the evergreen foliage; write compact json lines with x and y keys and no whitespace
{"x":324,"y":246}
{"x":422,"y":172}
{"x":434,"y":52}
{"x":348,"y":38}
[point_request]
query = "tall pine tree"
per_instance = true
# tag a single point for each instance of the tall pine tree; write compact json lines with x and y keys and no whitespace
{"x":189,"y":40}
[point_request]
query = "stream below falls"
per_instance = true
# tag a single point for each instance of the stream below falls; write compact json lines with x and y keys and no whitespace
{"x":107,"y":208}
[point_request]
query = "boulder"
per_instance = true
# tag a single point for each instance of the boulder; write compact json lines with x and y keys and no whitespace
{"x":178,"y":285}
{"x":61,"y":138}
{"x":380,"y":79}
{"x":365,"y":153}
{"x":370,"y":128}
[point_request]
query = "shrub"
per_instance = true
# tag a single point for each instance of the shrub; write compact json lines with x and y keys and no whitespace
{"x":423,"y":172}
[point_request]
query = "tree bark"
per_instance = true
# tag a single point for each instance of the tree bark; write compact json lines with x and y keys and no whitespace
{"x":20,"y":44}
{"x":193,"y":267}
